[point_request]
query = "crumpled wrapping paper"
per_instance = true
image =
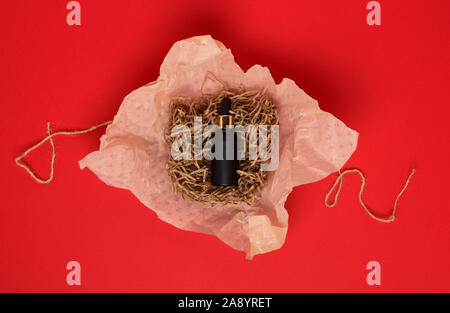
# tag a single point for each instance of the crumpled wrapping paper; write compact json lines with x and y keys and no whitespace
{"x":133,"y":153}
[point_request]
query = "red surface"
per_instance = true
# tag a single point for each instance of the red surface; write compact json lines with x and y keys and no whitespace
{"x":388,"y":82}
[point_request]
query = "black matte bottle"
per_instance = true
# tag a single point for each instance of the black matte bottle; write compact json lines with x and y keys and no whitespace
{"x":224,"y":172}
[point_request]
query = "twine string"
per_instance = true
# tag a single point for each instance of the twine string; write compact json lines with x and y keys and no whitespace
{"x":50,"y":138}
{"x":339,"y":180}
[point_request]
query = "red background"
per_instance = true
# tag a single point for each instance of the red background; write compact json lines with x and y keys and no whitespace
{"x":388,"y":82}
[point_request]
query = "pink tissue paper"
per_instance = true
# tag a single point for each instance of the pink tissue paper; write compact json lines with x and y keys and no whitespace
{"x":133,"y":152}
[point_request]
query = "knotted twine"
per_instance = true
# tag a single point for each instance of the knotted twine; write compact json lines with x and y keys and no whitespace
{"x":273,"y":120}
{"x":50,"y":137}
{"x":337,"y":181}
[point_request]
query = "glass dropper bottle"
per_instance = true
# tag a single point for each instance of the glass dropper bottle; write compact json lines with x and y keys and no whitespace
{"x":224,"y":171}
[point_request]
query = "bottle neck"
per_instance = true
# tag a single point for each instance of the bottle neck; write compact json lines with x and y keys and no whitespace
{"x":225,"y":120}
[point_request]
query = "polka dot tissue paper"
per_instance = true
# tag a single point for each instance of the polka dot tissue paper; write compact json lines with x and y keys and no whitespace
{"x":133,"y":153}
